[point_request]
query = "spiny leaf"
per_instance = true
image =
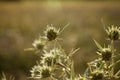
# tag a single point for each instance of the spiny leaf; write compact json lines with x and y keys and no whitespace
{"x":97,"y":44}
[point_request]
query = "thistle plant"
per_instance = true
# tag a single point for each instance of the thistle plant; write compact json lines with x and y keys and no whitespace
{"x":56,"y":64}
{"x":103,"y":68}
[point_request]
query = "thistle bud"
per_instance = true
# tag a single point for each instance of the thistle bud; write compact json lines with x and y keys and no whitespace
{"x":106,"y":54}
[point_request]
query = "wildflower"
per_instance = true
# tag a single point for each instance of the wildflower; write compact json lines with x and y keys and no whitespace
{"x":39,"y":43}
{"x":39,"y":72}
{"x":51,"y":33}
{"x":113,"y":33}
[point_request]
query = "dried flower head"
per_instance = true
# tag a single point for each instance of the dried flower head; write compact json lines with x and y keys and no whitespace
{"x":39,"y":72}
{"x":39,"y":43}
{"x":106,"y":54}
{"x":113,"y":33}
{"x":51,"y":32}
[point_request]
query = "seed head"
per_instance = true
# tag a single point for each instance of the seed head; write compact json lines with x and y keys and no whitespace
{"x":113,"y":33}
{"x":51,"y":32}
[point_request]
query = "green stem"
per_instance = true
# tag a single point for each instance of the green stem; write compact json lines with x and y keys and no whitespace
{"x":113,"y":54}
{"x":66,"y":69}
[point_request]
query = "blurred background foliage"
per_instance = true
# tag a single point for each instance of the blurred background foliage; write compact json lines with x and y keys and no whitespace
{"x":59,"y":0}
{"x":21,"y":22}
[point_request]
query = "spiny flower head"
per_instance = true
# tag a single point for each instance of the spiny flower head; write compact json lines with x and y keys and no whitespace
{"x":113,"y":32}
{"x":45,"y":71}
{"x":105,"y":53}
{"x":39,"y":72}
{"x":39,"y":43}
{"x":52,"y":57}
{"x":35,"y":72}
{"x":51,"y":32}
{"x":48,"y":59}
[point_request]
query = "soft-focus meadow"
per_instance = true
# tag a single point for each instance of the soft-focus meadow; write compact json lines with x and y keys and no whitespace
{"x":21,"y":22}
